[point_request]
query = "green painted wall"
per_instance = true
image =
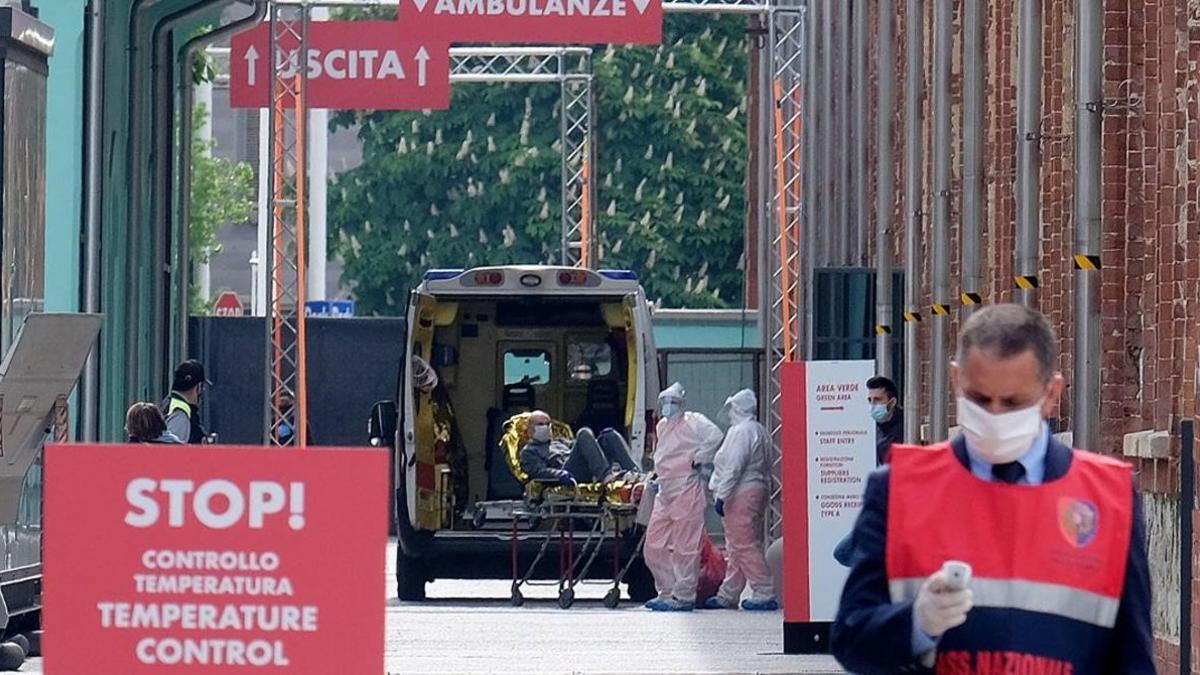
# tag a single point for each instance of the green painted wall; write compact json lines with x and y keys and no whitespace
{"x":64,"y":153}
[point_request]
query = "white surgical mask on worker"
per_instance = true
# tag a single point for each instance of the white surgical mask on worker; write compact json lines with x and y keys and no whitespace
{"x":671,"y":408}
{"x":999,"y":438}
{"x":541,"y":432}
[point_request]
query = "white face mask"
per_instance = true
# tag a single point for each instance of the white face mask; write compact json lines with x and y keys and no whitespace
{"x":541,"y":432}
{"x":999,"y":438}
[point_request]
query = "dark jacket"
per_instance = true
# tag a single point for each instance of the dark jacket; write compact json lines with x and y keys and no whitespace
{"x":872,"y":635}
{"x":544,"y":460}
{"x":891,"y":431}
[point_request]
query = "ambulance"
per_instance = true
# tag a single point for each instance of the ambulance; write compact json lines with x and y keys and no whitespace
{"x":574,"y":342}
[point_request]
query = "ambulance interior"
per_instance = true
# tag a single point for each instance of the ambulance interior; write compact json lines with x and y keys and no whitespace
{"x":495,"y":357}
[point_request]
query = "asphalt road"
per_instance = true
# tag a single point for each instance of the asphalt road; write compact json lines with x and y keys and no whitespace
{"x":470,"y":627}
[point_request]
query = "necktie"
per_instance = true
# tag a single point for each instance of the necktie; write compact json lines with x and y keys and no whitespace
{"x":1010,"y":472}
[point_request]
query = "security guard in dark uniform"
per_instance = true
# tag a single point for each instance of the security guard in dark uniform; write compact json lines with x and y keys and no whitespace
{"x":1054,"y":536}
{"x":182,"y":407}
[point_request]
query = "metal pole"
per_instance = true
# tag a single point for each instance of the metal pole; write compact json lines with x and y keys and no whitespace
{"x":89,"y":396}
{"x":861,"y":17}
{"x":265,"y":132}
{"x":885,"y":176}
{"x":809,"y":176}
{"x":943,"y":147}
{"x":1029,"y":148}
{"x":827,"y":128}
{"x":844,"y":111}
{"x":762,"y":91}
{"x":204,"y":95}
{"x":914,"y":85}
{"x":1089,"y":71}
{"x":318,"y":172}
{"x":974,"y":86}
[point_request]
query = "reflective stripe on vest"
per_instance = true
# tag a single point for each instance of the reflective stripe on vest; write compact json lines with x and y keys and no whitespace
{"x":1030,"y":596}
{"x":179,"y":404}
{"x":1059,"y":548}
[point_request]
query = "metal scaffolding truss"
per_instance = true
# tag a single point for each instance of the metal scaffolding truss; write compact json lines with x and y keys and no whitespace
{"x":287,"y":402}
{"x":787,"y":279}
{"x":571,"y":67}
{"x":784,"y":230}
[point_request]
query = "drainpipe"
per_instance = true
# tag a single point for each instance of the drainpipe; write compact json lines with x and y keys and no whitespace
{"x":184,"y":158}
{"x":858,"y":40}
{"x":89,"y":385}
{"x":1089,"y":106}
{"x":885,"y":176}
{"x":914,"y":81}
{"x":974,"y":41}
{"x":843,"y":111}
{"x":940,"y":264}
{"x":1029,"y":149}
{"x":827,"y":128}
{"x":134,"y":177}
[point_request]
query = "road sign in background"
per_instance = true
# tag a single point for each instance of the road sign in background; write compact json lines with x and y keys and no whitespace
{"x":560,"y":22}
{"x":212,"y":559}
{"x":828,"y":452}
{"x":351,"y":65}
{"x":229,"y":304}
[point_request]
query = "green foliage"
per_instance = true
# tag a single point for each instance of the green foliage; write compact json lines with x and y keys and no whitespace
{"x":480,"y":183}
{"x":222,"y":193}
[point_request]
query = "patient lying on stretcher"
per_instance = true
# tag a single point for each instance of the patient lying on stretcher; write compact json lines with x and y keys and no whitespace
{"x":587,"y":459}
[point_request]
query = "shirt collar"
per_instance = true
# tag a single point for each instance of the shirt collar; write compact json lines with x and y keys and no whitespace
{"x":1034,"y":460}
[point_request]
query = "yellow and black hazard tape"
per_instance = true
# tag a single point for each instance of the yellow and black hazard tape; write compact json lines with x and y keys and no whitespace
{"x":940,"y":309}
{"x":971,"y":299}
{"x":1090,"y":263}
{"x":883,"y":330}
{"x":912,"y":317}
{"x":1027,"y":282}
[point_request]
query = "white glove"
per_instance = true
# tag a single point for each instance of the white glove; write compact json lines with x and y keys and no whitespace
{"x":938,"y":609}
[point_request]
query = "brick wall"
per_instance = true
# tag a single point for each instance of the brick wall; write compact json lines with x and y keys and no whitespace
{"x":1150,"y":284}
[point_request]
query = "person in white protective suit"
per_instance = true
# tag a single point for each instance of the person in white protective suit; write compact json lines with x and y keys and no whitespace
{"x":739,"y":486}
{"x":687,"y":440}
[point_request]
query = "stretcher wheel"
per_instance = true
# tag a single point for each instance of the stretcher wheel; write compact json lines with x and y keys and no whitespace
{"x":566,"y":598}
{"x":612,"y":598}
{"x":517,"y":599}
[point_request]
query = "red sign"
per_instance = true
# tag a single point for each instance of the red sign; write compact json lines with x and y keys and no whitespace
{"x":229,"y":304}
{"x":172,"y":558}
{"x":351,"y":65}
{"x":570,"y":22}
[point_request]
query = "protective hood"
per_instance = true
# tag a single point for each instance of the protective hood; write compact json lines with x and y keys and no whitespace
{"x":675,"y":392}
{"x":741,"y":407}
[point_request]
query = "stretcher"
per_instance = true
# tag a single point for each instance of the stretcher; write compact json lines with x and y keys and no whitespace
{"x":583,"y":518}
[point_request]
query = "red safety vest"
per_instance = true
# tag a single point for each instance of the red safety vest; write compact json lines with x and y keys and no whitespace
{"x":1048,"y":560}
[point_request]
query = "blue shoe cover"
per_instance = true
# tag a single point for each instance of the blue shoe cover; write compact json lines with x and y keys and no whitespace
{"x":673,"y":605}
{"x":760,"y":605}
{"x":657,"y":604}
{"x":717,"y":603}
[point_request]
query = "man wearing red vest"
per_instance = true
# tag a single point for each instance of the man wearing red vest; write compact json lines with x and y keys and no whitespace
{"x":1054,"y":536}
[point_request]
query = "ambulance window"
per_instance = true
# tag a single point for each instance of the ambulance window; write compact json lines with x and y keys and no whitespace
{"x":530,"y":366}
{"x":588,"y":358}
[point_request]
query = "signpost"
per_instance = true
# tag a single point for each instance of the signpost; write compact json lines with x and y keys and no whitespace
{"x":560,"y":22}
{"x":351,"y":65}
{"x":229,"y":304}
{"x":828,"y":452}
{"x":187,"y":559}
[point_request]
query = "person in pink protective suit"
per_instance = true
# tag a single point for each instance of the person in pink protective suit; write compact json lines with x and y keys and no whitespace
{"x":739,"y":486}
{"x":686,"y":441}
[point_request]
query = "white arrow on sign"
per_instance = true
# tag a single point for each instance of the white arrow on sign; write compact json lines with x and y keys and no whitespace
{"x":251,"y":60}
{"x":422,"y":60}
{"x":420,"y":4}
{"x":641,"y":5}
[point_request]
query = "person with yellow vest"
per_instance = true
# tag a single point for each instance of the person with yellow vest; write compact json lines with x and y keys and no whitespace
{"x":1054,"y":539}
{"x":181,"y":408}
